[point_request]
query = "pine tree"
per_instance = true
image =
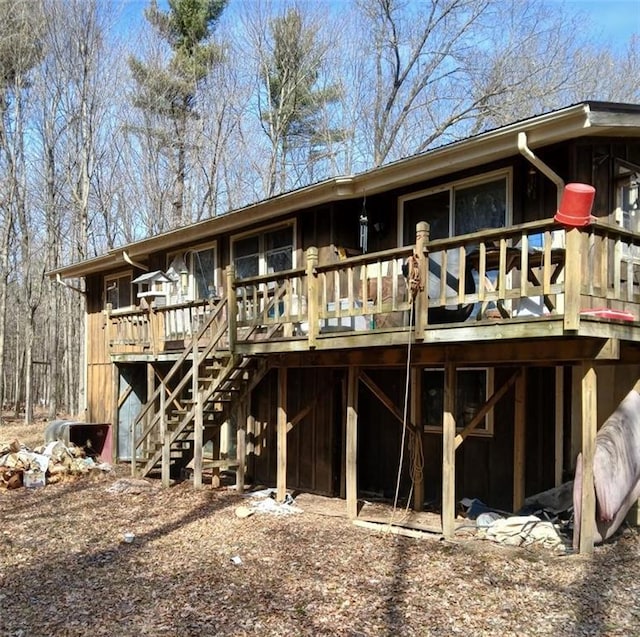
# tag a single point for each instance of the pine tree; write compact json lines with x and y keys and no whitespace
{"x":167,"y":92}
{"x":293,"y":118}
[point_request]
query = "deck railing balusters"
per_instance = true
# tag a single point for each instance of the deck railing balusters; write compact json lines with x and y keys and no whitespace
{"x":597,"y":267}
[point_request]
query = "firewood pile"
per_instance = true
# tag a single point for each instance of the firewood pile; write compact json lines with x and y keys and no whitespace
{"x":21,"y":466}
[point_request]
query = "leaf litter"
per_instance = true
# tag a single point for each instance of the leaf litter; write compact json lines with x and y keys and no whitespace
{"x":66,"y":569}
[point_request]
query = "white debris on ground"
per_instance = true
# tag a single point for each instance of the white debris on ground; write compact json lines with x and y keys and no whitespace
{"x":21,"y":466}
{"x":133,"y":486}
{"x":523,"y":530}
{"x":264,"y":501}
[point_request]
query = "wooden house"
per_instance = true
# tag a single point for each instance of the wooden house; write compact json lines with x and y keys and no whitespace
{"x":309,"y":339}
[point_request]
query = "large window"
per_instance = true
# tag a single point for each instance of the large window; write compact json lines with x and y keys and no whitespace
{"x":193,"y":274}
{"x":473,"y":386}
{"x":118,"y":290}
{"x":457,"y":208}
{"x":264,"y":253}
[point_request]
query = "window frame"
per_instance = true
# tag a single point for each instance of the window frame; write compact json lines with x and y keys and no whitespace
{"x":114,"y":277}
{"x":260,"y":233}
{"x":628,"y":181}
{"x":187,"y":256}
{"x":479,"y":431}
{"x":451,"y":187}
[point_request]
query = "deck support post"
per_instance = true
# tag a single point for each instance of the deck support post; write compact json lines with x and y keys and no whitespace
{"x":198,"y":414}
{"x":519,"y":443}
{"x":351,"y":445}
{"x":589,"y":430}
{"x":418,"y":474}
{"x":241,"y":444}
{"x":165,"y":438}
{"x":115,"y":419}
{"x":559,"y":426}
{"x":250,"y":437}
{"x":282,"y":435}
{"x":449,"y":453}
{"x":198,"y":428}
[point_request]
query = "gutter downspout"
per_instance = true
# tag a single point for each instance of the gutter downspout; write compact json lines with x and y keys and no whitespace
{"x":527,"y":153}
{"x":135,"y":264}
{"x":60,"y":280}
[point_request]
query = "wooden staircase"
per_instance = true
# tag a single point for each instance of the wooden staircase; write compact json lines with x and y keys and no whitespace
{"x":198,"y":394}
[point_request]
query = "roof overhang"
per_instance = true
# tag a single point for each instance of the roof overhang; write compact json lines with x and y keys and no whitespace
{"x":588,"y":118}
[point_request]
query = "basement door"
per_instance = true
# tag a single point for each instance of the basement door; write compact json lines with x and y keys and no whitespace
{"x":131,"y":397}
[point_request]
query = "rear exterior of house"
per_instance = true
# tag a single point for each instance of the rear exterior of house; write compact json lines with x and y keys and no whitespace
{"x":302,"y":339}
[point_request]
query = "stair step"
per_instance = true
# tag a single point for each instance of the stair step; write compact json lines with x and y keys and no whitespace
{"x":187,"y":447}
{"x":206,"y":410}
{"x":222,"y":378}
{"x":173,"y":455}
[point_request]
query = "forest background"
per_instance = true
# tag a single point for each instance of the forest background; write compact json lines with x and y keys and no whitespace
{"x":111,"y":132}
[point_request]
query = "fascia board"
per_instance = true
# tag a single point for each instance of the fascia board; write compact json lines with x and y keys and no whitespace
{"x":268,"y":210}
{"x":491,"y":146}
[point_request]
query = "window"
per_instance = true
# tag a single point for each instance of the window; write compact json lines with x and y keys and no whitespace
{"x":118,"y":290}
{"x":264,"y":253}
{"x":627,"y":183}
{"x":193,"y":274}
{"x":202,"y":270}
{"x":457,"y":208}
{"x":473,"y":386}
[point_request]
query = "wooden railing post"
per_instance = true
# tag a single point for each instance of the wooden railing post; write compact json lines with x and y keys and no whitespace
{"x":232,"y":307}
{"x":109,"y":329}
{"x":572,"y":279}
{"x":421,"y":300}
{"x":154,"y":330}
{"x":196,"y":396}
{"x":312,"y":296}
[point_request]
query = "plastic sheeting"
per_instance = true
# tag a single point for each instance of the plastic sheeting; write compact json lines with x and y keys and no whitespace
{"x":616,"y":470}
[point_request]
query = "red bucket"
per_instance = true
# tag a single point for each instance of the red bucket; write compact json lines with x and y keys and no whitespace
{"x":575,"y":205}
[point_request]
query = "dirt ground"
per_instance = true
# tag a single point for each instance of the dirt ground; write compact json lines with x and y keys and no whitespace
{"x":195,"y":568}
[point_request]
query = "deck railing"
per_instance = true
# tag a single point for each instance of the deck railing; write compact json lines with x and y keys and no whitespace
{"x":156,"y":329}
{"x":525,"y":272}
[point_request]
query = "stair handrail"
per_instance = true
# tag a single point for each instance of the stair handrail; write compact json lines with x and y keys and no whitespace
{"x":232,"y":365}
{"x":174,"y":369}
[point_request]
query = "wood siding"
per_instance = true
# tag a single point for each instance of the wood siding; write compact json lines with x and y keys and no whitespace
{"x":313,"y":444}
{"x":100,"y":384}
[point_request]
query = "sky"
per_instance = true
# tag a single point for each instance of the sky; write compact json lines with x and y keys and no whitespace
{"x":614,"y":21}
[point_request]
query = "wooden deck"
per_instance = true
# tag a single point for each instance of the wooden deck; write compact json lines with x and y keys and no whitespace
{"x":533,"y":281}
{"x":534,"y":293}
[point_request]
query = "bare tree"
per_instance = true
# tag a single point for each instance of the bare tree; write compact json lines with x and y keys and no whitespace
{"x":21,"y":27}
{"x":444,"y":69}
{"x":68,"y":109}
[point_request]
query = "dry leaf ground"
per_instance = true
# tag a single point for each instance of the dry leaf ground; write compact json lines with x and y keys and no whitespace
{"x":65,"y":570}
